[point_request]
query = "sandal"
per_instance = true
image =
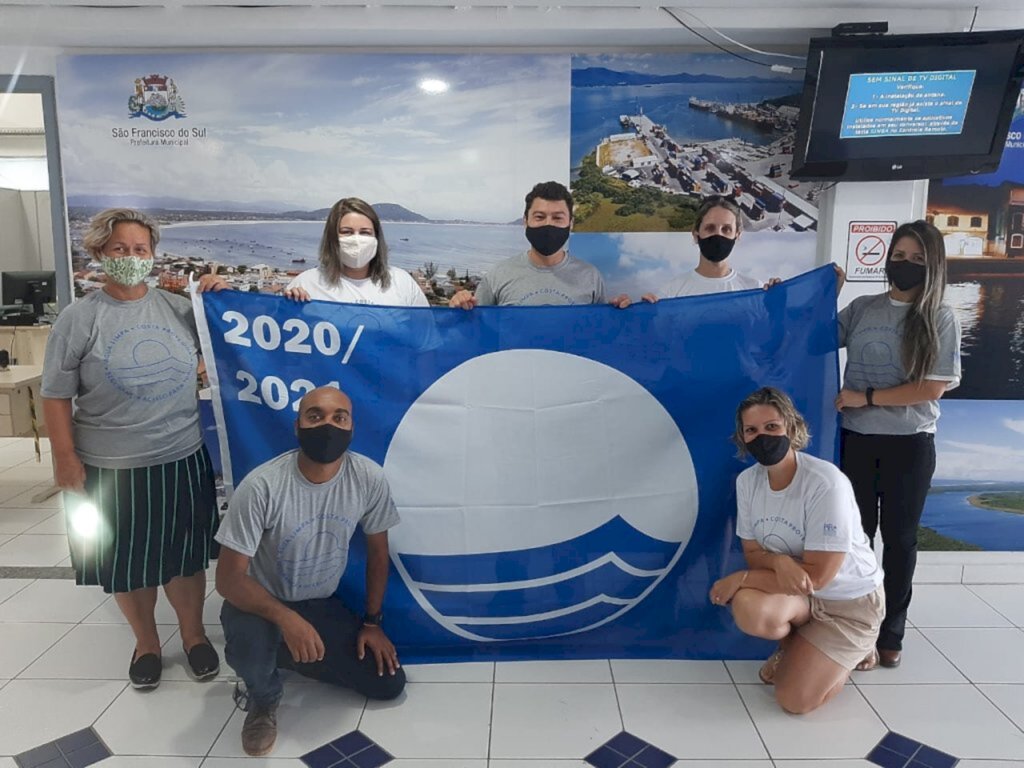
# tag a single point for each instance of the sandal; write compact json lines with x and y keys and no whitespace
{"x":771,"y":666}
{"x":203,"y":661}
{"x":869,"y":662}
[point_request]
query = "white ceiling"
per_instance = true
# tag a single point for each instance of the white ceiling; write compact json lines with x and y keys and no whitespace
{"x":433,"y":24}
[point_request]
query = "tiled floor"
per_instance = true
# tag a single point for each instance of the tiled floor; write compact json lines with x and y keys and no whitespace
{"x":64,"y":652}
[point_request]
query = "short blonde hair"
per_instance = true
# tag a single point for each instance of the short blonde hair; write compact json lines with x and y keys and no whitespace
{"x":102,"y":227}
{"x":796,"y":427}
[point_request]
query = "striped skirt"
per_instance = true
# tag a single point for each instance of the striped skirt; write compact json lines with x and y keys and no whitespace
{"x":155,"y":523}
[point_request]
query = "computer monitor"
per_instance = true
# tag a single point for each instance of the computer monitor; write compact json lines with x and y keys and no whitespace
{"x":31,"y":288}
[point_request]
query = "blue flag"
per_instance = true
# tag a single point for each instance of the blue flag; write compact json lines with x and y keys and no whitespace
{"x":565,"y":475}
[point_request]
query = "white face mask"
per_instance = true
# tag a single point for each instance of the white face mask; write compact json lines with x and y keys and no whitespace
{"x":357,"y":250}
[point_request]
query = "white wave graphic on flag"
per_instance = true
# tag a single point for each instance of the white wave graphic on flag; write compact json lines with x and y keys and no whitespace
{"x":541,"y":494}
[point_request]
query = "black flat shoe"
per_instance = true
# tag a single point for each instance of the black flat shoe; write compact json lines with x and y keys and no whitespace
{"x":145,"y":671}
{"x":203,"y":661}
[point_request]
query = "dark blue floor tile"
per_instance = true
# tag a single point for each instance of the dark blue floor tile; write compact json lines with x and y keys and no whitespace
{"x":88,"y":755}
{"x":603,"y":757}
{"x":324,"y":757}
{"x":372,"y":757}
{"x":899,"y":744}
{"x":57,"y":762}
{"x":887,"y":758}
{"x":353,"y":742}
{"x":933,"y":758}
{"x":626,"y":744}
{"x":77,"y":740}
{"x":38,"y":756}
{"x":652,"y":757}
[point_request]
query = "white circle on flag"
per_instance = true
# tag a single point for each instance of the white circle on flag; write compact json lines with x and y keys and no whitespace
{"x":516,"y":451}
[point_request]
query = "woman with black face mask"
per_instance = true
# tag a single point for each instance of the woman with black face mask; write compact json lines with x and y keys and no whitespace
{"x":716,"y":230}
{"x":903,"y":354}
{"x":811,"y":582}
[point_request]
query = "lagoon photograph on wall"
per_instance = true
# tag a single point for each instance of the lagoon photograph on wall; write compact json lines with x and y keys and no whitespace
{"x":977,"y":497}
{"x":655,"y":134}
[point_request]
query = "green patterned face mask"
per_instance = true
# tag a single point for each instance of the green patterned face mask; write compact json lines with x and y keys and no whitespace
{"x":126,"y":270}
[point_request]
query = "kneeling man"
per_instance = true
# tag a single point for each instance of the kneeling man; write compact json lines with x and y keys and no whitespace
{"x":284,"y":545}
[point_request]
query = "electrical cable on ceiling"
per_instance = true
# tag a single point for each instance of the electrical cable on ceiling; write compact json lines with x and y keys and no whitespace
{"x":722,"y":34}
{"x":974,"y":18}
{"x":711,"y":42}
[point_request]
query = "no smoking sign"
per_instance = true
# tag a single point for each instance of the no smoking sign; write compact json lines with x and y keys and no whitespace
{"x":867,"y":244}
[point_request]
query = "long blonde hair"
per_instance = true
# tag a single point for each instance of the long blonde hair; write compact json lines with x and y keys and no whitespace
{"x":920,"y":345}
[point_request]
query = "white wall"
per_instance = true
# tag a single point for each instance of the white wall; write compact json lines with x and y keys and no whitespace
{"x":898,"y":201}
{"x":26,"y":235}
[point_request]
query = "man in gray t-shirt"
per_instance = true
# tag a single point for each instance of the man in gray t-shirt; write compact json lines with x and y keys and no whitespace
{"x":284,"y":546}
{"x":546,"y":273}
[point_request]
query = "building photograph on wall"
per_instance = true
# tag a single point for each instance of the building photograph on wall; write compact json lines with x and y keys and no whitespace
{"x":982,"y":222}
{"x":977,"y":498}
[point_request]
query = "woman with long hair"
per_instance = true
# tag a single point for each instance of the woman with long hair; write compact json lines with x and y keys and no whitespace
{"x":903,"y":354}
{"x":354,"y":263}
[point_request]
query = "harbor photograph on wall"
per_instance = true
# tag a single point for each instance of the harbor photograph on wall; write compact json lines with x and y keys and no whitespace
{"x":655,"y":134}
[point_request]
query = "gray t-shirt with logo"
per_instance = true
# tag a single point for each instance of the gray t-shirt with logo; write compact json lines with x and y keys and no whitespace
{"x":297,"y":532}
{"x":130,"y":367}
{"x":518,"y":282}
{"x":871,"y":329}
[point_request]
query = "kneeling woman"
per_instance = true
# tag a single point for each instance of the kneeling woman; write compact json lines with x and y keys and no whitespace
{"x":812,"y":581}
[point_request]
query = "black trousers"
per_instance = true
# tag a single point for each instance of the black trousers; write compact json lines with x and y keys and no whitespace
{"x":255,"y":651}
{"x":891,"y":475}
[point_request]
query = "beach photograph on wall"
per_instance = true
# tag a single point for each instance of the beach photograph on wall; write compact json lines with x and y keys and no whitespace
{"x":654,"y":134}
{"x":982,"y":222}
{"x":977,"y":497}
{"x":239,"y":157}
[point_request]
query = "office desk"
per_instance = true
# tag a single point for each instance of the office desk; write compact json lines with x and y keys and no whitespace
{"x":20,"y":406}
{"x":26,"y":343}
{"x":21,"y":409}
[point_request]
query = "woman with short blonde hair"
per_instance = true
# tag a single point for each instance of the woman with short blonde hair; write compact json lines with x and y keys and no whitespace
{"x":129,"y":453}
{"x":811,"y":581}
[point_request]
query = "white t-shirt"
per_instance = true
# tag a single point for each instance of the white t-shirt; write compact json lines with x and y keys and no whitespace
{"x":693,"y":284}
{"x":816,"y":512}
{"x":403,"y":292}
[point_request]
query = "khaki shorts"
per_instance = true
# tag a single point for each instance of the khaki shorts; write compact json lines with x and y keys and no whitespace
{"x":845,"y":630}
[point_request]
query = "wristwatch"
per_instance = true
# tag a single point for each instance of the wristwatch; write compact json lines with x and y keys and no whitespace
{"x":373,"y":619}
{"x":869,"y":395}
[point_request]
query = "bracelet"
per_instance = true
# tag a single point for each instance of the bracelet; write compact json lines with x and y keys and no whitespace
{"x":869,"y":395}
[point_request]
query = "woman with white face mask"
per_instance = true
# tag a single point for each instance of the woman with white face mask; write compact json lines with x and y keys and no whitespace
{"x":119,"y":394}
{"x":354,"y":263}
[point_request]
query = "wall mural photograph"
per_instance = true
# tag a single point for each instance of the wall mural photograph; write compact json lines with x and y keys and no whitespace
{"x":240,"y":157}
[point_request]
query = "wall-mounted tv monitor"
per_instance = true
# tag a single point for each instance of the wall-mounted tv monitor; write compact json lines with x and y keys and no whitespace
{"x":889,"y":107}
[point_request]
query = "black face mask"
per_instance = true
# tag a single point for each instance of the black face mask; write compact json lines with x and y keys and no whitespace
{"x":769,"y":449}
{"x":548,"y":239}
{"x":715,"y":248}
{"x":904,"y":274}
{"x":324,"y":444}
